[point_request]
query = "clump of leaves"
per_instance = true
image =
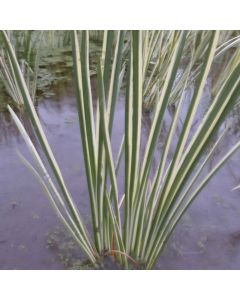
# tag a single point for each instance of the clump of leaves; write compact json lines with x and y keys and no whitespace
{"x":132,"y":226}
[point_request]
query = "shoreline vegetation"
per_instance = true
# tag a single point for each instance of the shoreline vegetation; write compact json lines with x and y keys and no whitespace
{"x":152,"y":70}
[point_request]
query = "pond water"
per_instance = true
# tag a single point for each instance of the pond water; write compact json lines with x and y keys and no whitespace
{"x":31,"y":237}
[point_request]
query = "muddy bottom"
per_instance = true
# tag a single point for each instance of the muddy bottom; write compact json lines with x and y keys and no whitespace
{"x":31,"y":237}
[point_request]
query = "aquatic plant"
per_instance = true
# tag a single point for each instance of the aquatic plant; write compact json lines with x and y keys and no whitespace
{"x":157,"y":52}
{"x":28,"y":60}
{"x":134,"y":226}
